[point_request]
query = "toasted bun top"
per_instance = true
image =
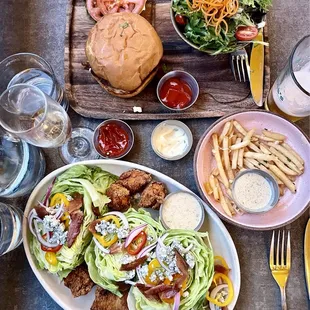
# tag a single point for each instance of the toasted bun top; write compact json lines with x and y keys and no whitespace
{"x":123,"y":48}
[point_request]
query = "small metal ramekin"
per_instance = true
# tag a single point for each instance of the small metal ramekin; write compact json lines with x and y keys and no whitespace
{"x":182,"y":75}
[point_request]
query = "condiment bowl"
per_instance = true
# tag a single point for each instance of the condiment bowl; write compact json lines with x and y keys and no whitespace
{"x":189,"y":193}
{"x":124,"y":126}
{"x":178,"y":124}
{"x":182,"y":75}
{"x":275,"y":193}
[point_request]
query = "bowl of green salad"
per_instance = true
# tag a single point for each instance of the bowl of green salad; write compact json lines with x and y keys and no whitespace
{"x":218,"y":26}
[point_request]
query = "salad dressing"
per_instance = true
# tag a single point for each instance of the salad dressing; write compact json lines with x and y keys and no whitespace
{"x":182,"y":211}
{"x":252,"y":191}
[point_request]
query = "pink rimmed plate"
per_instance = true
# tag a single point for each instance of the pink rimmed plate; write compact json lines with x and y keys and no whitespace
{"x":290,"y":206}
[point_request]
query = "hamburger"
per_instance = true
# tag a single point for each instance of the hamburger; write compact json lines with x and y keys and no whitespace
{"x":123,"y":51}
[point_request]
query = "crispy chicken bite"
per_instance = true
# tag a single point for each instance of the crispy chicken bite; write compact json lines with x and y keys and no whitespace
{"x":135,"y":180}
{"x":153,"y":195}
{"x":106,"y":300}
{"x":79,"y":281}
{"x":120,"y":197}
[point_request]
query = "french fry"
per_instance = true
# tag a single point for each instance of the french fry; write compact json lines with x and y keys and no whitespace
{"x":233,"y":139}
{"x":231,"y":128}
{"x":229,"y":204}
{"x":285,"y":160}
{"x":274,"y":135}
{"x":292,"y":178}
{"x":264,"y":149}
{"x":226,"y":159}
{"x":291,"y":186}
{"x":281,"y":189}
{"x":288,"y":154}
{"x":224,"y":132}
{"x":239,"y":128}
{"x":208,"y":188}
{"x":235,"y":155}
{"x":253,"y":147}
{"x":215,"y":172}
{"x":285,"y":169}
{"x":263,"y":138}
{"x":240,"y":158}
{"x":259,"y":156}
{"x":246,"y":141}
{"x":290,"y":149}
{"x":214,"y":187}
{"x":218,"y":159}
{"x":224,"y":203}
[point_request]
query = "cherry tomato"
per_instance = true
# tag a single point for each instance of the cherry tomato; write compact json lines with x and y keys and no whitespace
{"x":47,"y":249}
{"x":137,"y":244}
{"x":181,"y":20}
{"x":246,"y":33}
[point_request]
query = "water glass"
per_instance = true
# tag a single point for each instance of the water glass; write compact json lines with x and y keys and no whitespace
{"x":22,"y":166}
{"x":31,"y":69}
{"x":290,"y":94}
{"x":11,"y":219}
{"x":30,"y":114}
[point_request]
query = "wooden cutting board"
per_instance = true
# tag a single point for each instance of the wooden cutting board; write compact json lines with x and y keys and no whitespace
{"x":219,"y":93}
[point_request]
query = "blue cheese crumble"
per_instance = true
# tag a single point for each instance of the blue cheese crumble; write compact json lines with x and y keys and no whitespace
{"x":105,"y":228}
{"x":53,"y":225}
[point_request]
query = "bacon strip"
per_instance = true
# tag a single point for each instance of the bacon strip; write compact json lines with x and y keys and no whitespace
{"x":92,"y":226}
{"x":41,"y":211}
{"x":183,"y":267}
{"x":133,"y":265}
{"x":75,"y":226}
{"x":76,"y":203}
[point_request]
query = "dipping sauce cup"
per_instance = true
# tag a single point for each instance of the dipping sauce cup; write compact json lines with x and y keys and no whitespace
{"x":113,"y":139}
{"x":255,"y":191}
{"x":187,"y":86}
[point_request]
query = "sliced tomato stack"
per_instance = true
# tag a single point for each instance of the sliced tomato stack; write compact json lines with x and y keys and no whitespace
{"x":98,"y":8}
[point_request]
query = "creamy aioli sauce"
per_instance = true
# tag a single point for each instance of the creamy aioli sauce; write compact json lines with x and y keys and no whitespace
{"x":252,"y":191}
{"x":170,"y":140}
{"x":181,"y":210}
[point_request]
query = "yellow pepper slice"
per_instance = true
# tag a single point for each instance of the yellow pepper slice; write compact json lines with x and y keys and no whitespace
{"x":105,"y":240}
{"x":153,"y":265}
{"x":51,"y":258}
{"x":58,"y":199}
{"x":222,"y":260}
{"x":66,"y":219}
{"x":230,"y":295}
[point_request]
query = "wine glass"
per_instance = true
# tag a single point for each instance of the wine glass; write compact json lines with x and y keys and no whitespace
{"x":30,"y":114}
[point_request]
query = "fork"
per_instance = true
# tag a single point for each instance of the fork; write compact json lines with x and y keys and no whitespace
{"x":281,"y":264}
{"x":239,"y":63}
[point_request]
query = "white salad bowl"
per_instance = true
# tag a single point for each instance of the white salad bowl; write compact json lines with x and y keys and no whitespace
{"x":221,"y":240}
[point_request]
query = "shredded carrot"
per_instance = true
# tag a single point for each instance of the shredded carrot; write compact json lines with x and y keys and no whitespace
{"x":215,"y":11}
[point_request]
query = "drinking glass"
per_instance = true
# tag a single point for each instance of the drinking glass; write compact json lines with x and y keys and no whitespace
{"x":10,"y":228}
{"x":28,"y":113}
{"x":22,"y":166}
{"x":31,"y":69}
{"x":290,"y":94}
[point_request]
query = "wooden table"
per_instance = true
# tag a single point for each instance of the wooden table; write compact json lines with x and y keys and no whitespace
{"x":39,"y":27}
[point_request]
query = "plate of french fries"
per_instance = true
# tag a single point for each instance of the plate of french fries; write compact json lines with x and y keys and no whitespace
{"x":254,"y":140}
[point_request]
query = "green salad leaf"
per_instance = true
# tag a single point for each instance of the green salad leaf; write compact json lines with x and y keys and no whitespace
{"x":86,"y":181}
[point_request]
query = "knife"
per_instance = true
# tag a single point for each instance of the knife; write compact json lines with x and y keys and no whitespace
{"x":307,"y":256}
{"x":257,"y":70}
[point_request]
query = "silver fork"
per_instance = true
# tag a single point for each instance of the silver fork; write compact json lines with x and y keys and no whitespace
{"x":239,"y":63}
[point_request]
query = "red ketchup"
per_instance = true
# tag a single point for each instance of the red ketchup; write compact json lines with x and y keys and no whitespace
{"x":112,"y":140}
{"x":176,"y":93}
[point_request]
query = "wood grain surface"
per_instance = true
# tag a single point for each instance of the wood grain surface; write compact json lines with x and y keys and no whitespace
{"x":219,"y":93}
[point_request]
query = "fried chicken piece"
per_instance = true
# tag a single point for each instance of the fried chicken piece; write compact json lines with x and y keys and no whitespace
{"x":153,"y":195}
{"x":79,"y":281}
{"x":106,"y":300}
{"x":120,"y":197}
{"x":134,"y":180}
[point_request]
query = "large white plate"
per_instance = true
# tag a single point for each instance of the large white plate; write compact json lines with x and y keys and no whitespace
{"x":222,"y":243}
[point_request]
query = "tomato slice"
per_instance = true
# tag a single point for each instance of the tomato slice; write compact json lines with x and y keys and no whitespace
{"x":181,"y":20}
{"x":47,"y":249}
{"x":137,"y":244}
{"x":93,"y":10}
{"x":114,"y":6}
{"x":246,"y":33}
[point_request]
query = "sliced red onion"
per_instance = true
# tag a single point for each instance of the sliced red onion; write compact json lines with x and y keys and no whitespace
{"x":160,"y":244}
{"x":41,"y":239}
{"x":177,"y":299}
{"x":141,"y":279}
{"x":121,"y":216}
{"x":134,"y":233}
{"x":214,"y":292}
{"x":31,"y":216}
{"x":147,"y":249}
{"x":60,"y":211}
{"x":49,"y":190}
{"x":104,"y":250}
